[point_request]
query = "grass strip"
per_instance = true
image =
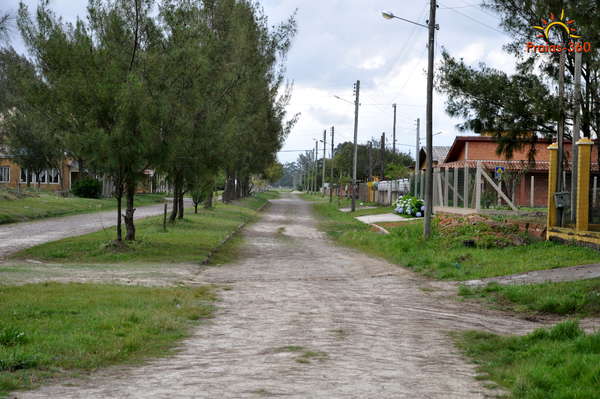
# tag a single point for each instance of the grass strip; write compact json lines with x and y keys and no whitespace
{"x":188,"y":240}
{"x":581,"y":298}
{"x":47,"y":205}
{"x":557,"y":363}
{"x":51,"y":329}
{"x":443,"y":258}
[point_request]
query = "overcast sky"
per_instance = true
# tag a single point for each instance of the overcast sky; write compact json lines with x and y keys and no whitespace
{"x":340,"y":41}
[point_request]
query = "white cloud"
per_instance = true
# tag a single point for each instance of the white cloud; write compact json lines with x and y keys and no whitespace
{"x":373,"y":63}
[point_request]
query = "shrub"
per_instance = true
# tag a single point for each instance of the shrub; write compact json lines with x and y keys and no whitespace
{"x":10,"y":336}
{"x":87,"y":188}
{"x":409,"y":205}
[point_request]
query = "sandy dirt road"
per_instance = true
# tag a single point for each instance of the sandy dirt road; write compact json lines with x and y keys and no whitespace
{"x":17,"y":236}
{"x":304,"y":318}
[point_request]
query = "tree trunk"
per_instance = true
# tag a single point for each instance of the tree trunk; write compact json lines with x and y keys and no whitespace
{"x":208,"y":202}
{"x":180,"y":210}
{"x":119,"y":196}
{"x":129,"y":224}
{"x":228,"y":192}
{"x":195,"y":207}
{"x":174,"y":211}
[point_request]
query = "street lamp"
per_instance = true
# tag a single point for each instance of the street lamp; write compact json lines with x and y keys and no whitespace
{"x":431,"y":26}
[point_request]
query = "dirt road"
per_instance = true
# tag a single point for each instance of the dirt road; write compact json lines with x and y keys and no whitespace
{"x":17,"y":236}
{"x":305,"y":318}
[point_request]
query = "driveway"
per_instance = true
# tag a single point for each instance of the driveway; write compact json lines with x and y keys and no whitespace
{"x":305,"y":318}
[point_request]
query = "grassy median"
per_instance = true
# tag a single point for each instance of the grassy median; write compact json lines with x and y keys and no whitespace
{"x":443,"y":258}
{"x":187,"y":240}
{"x":45,"y":205}
{"x":557,"y":363}
{"x":581,"y":298}
{"x":51,"y":329}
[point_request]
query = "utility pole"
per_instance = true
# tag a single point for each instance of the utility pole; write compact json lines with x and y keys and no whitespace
{"x":355,"y":158}
{"x":417,"y":160}
{"x":561,"y":130}
{"x":370,"y":159}
{"x":429,"y":123}
{"x":316,"y":166}
{"x":383,"y":156}
{"x":418,"y":146}
{"x":324,"y":156}
{"x":394,"y":133}
{"x":331,"y":181}
{"x":576,"y":130}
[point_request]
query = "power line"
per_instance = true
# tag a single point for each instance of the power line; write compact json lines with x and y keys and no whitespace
{"x":473,"y":19}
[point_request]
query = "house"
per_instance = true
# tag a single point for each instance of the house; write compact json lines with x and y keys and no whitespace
{"x":439,"y":155}
{"x":12,"y":176}
{"x":468,"y":151}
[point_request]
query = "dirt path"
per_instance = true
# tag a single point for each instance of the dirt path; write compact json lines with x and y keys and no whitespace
{"x":307,"y":319}
{"x":17,"y":236}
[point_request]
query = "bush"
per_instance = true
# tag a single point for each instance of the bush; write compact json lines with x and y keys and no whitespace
{"x":10,"y":336}
{"x":410,"y":206}
{"x":87,"y":188}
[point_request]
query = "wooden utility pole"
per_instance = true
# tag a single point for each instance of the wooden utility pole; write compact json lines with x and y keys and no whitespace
{"x":382,"y":150}
{"x":316,"y":166}
{"x":355,"y":158}
{"x":576,"y":131}
{"x":429,"y":123}
{"x":394,"y":132}
{"x":324,"y":156}
{"x":331,"y":181}
{"x":417,"y":154}
{"x":561,"y":130}
{"x":370,"y":160}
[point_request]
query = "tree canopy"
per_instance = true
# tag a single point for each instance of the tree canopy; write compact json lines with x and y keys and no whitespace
{"x":189,"y":88}
{"x":518,"y":109}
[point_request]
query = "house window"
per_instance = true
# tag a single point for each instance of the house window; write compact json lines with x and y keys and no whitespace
{"x":26,"y":176}
{"x":4,"y":174}
{"x":42,"y":177}
{"x":53,"y":176}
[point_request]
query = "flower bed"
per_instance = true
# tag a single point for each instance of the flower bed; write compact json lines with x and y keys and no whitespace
{"x":408,"y":205}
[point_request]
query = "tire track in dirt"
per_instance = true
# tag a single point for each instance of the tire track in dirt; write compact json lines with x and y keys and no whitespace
{"x":308,"y":319}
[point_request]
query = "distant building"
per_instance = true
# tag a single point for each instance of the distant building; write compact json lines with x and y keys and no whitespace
{"x":13,"y":176}
{"x":439,"y":155}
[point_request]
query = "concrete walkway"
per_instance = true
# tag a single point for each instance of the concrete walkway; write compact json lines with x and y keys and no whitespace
{"x":382,"y":218}
{"x":575,"y":273}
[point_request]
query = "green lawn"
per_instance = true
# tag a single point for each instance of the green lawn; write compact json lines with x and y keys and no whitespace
{"x":49,"y":205}
{"x":558,"y":363}
{"x":188,"y":240}
{"x":581,"y":298}
{"x":51,"y":329}
{"x":443,"y":258}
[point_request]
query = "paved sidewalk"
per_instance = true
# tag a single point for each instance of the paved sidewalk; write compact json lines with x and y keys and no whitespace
{"x":575,"y":273}
{"x":384,"y":217}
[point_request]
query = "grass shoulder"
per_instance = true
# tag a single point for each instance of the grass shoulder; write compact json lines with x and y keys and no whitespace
{"x":580,"y":298}
{"x":44,"y":205}
{"x":561,"y":362}
{"x":61,"y":330}
{"x":445,"y":257}
{"x":188,"y":240}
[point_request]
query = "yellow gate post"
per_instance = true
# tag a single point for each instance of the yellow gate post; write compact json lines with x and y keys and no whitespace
{"x":583,"y":184}
{"x":552,"y":213}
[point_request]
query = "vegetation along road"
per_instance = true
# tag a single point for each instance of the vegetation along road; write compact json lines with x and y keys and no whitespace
{"x":301,"y":317}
